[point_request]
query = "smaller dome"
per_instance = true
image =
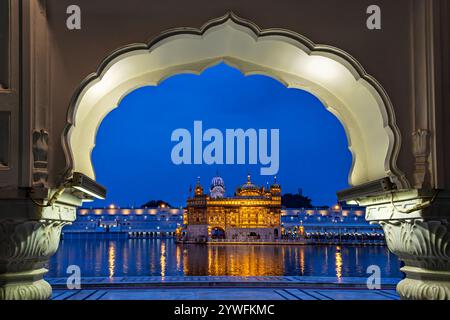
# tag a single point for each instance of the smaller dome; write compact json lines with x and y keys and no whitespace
{"x":217,"y":182}
{"x":249,"y":185}
{"x":198,"y":188}
{"x":275,"y":185}
{"x":217,"y":188}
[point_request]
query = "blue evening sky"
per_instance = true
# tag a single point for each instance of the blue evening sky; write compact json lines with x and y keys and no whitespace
{"x":132,"y":157}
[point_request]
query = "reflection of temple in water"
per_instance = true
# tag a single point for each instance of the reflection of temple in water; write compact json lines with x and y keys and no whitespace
{"x":234,"y":261}
{"x":165,"y":258}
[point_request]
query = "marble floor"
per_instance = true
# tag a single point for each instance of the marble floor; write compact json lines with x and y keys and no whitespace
{"x":287,"y":281}
{"x":206,"y":293}
{"x":224,"y":288}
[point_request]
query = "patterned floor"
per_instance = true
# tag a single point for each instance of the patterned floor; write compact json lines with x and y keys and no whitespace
{"x":225,"y":294}
{"x":224,"y":288}
{"x":174,"y":280}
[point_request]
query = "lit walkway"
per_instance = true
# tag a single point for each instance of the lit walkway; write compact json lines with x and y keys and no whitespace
{"x":156,"y":281}
{"x":225,"y":294}
{"x":224,"y":288}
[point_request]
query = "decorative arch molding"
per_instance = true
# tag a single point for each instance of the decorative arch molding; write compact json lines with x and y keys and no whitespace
{"x":335,"y":77}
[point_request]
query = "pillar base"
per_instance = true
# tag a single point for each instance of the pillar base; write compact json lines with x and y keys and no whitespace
{"x":25,"y":286}
{"x":29,"y":236}
{"x":422,"y":284}
{"x":420,"y":238}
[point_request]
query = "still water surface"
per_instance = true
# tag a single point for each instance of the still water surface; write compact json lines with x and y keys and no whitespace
{"x":163,"y":257}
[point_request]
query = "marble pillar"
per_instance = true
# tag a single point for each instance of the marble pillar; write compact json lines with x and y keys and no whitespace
{"x":29,"y":236}
{"x":416,"y":225}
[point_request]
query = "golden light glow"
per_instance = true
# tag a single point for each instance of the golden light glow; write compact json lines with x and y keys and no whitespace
{"x":302,"y":231}
{"x":338,"y":263}
{"x":178,"y":257}
{"x":240,"y":261}
{"x":162,"y":260}
{"x":111,"y":212}
{"x":302,"y":261}
{"x":359,"y":213}
{"x":186,"y":262}
{"x":112,"y":258}
{"x":126,"y":212}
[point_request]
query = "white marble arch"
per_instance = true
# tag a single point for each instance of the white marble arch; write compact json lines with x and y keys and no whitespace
{"x":332,"y":75}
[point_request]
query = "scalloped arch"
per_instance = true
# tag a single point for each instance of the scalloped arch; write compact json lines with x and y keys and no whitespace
{"x":332,"y":75}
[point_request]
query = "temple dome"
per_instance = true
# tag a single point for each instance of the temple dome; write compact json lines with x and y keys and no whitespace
{"x":275,"y":184}
{"x":217,"y":181}
{"x":198,"y":188}
{"x":217,"y":188}
{"x":249,"y":189}
{"x":275,"y":188}
{"x":249,"y":186}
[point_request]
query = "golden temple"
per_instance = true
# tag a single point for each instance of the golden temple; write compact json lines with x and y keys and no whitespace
{"x":253,"y":213}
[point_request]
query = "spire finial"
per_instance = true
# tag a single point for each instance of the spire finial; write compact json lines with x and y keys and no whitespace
{"x":249,"y":178}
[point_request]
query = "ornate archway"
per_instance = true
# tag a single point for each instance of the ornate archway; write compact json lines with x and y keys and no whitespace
{"x":353,"y":96}
{"x":415,"y":220}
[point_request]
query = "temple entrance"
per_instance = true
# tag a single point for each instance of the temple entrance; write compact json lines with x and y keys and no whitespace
{"x":217,"y":233}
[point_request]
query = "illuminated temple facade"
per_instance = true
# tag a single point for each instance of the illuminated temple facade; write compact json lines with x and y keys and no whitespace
{"x":253,"y":213}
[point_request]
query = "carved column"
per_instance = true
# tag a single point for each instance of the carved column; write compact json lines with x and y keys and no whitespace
{"x":416,"y":225}
{"x":40,"y":158}
{"x":29,"y":236}
{"x":420,"y":139}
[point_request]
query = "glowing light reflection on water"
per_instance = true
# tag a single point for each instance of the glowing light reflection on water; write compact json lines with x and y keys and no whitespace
{"x":156,"y":257}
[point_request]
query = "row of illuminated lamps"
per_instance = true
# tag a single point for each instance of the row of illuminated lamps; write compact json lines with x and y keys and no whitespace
{"x":305,"y":219}
{"x":83,"y":212}
{"x":323,"y":213}
{"x":113,"y":210}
